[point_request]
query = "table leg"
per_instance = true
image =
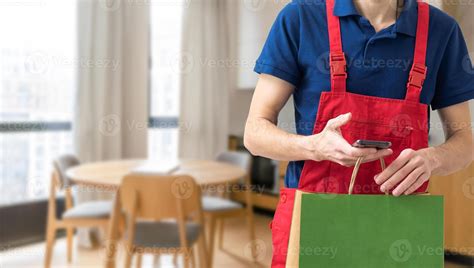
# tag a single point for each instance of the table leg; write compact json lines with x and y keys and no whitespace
{"x":112,"y":236}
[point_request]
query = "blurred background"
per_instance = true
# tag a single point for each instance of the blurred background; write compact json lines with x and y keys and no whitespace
{"x":155,"y":80}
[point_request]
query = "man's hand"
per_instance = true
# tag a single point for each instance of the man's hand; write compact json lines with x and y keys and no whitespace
{"x":330,"y":145}
{"x":411,"y":169}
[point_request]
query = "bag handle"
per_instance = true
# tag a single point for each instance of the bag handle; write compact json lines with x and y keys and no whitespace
{"x":356,"y":170}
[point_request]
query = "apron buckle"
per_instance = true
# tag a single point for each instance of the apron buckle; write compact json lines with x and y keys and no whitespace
{"x":417,"y":75}
{"x":338,"y":65}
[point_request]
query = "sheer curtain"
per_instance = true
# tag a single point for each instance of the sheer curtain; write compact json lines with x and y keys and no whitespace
{"x":111,"y":112}
{"x":205,"y":78}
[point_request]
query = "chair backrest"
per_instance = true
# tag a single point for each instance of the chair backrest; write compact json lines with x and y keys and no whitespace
{"x":241,"y":159}
{"x":160,"y":197}
{"x":61,"y":165}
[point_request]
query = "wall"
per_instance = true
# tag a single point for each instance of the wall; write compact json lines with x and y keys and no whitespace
{"x":249,"y":44}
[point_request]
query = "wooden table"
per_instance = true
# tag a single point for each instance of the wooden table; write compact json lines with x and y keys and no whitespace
{"x":110,"y":173}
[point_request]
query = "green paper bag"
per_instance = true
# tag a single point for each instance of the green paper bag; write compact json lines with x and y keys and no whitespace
{"x":330,"y":230}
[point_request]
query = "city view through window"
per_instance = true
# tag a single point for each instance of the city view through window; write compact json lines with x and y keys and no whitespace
{"x":37,"y":85}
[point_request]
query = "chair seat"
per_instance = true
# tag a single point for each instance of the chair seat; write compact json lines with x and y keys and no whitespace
{"x":212,"y":203}
{"x":93,"y":209}
{"x":163,"y":234}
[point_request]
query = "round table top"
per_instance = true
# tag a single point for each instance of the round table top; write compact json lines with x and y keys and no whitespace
{"x":110,"y":173}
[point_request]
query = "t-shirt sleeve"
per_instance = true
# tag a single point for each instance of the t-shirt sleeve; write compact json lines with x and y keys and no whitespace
{"x":279,"y":56}
{"x":455,"y":80}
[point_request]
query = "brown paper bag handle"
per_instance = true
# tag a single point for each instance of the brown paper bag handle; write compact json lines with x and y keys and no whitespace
{"x":356,"y":171}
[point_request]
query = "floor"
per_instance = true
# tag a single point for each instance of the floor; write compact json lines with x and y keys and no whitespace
{"x":236,"y":251}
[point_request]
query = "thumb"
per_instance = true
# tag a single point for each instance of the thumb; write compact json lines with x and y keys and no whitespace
{"x":339,"y":121}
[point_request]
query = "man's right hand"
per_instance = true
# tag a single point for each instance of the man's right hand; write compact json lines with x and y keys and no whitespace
{"x":330,"y":145}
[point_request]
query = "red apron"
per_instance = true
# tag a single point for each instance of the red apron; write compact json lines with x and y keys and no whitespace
{"x":402,"y":122}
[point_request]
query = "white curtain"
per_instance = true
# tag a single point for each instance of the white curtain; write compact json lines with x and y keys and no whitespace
{"x":205,"y":79}
{"x":111,"y":103}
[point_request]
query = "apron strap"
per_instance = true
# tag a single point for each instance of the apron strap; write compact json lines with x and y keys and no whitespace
{"x":337,"y":59}
{"x":418,"y":71}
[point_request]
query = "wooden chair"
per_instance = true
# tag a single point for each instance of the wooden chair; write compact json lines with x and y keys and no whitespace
{"x":218,"y":208}
{"x":89,"y":214}
{"x":163,"y":214}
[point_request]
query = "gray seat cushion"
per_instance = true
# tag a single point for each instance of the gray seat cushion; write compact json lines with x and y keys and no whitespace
{"x":212,"y":203}
{"x":93,"y":209}
{"x":163,"y":234}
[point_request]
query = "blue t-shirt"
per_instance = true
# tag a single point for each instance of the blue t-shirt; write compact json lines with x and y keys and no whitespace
{"x":297,"y":51}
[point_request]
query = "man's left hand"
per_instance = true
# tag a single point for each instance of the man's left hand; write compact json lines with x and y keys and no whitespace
{"x":408,"y":172}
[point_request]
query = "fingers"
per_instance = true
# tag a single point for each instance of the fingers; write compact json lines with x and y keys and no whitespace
{"x":407,"y":182}
{"x":339,"y":121}
{"x":347,"y":155}
{"x":350,"y":160}
{"x":396,"y":165}
{"x":398,"y":176}
{"x":418,"y":183}
{"x":354,"y":152}
{"x":408,"y":172}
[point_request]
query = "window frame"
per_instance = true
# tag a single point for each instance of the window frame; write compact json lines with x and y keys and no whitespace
{"x":34,"y":126}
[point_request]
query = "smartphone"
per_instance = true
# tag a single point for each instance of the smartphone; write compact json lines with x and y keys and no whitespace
{"x":372,"y":144}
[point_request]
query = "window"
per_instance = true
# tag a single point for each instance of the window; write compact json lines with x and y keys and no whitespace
{"x":166,"y":23}
{"x":37,"y":82}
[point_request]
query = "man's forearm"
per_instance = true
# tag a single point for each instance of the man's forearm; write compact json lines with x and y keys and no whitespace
{"x":455,"y":154}
{"x":264,"y":138}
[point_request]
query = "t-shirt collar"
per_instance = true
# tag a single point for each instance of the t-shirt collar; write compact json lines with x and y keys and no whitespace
{"x":405,"y":24}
